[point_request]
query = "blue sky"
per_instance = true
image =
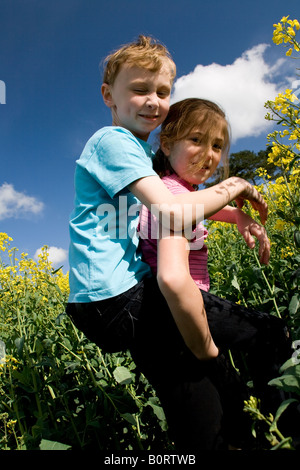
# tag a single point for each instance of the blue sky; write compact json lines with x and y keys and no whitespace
{"x":50,"y":53}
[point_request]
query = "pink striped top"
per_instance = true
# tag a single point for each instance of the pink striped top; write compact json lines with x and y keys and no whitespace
{"x":198,"y":250}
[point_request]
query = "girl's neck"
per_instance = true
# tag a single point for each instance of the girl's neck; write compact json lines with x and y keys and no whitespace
{"x":186,"y":183}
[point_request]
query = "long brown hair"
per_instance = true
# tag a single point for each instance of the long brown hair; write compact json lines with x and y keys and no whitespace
{"x":183,"y":117}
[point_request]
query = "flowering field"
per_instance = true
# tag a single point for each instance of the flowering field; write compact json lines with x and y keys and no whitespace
{"x":58,"y":391}
{"x":236,"y":272}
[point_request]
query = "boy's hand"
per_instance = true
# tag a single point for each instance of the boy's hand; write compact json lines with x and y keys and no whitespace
{"x":249,"y":228}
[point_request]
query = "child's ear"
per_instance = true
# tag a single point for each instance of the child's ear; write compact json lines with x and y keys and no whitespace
{"x":106,"y":94}
{"x":166,"y":148}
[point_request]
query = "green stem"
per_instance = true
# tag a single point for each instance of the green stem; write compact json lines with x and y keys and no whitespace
{"x":271,"y":291}
{"x":15,"y":405}
{"x":232,"y":361}
{"x":219,"y":249}
{"x":103,"y":362}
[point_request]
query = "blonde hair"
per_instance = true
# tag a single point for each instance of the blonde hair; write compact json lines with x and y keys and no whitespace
{"x":146,"y":52}
{"x":184,"y":117}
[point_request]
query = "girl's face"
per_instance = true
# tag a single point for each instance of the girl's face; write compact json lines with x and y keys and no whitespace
{"x":195,"y":158}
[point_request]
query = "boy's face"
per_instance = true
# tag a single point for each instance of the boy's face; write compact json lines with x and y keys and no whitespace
{"x":139,"y":99}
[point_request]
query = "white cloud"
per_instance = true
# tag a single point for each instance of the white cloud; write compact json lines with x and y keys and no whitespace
{"x":241,"y":89}
{"x":56,"y":255}
{"x":15,"y":204}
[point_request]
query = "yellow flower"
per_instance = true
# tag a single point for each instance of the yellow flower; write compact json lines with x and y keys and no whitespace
{"x":279,"y":225}
{"x":294,"y":136}
{"x":284,"y":19}
{"x":284,"y":32}
{"x":291,"y":31}
{"x":4,"y":241}
{"x":11,"y":423}
{"x":286,"y":252}
{"x":34,"y":280}
{"x":296,"y":24}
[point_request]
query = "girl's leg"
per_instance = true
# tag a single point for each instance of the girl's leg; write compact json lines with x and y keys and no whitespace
{"x":191,"y":391}
{"x":194,"y":414}
{"x":262,"y":337}
{"x":204,"y":409}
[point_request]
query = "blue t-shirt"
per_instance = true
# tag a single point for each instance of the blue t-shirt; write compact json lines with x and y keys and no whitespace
{"x":104,"y":256}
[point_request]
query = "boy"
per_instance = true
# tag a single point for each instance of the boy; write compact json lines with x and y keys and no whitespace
{"x":138,"y":96}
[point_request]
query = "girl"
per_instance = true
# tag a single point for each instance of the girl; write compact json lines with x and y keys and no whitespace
{"x":194,"y":137}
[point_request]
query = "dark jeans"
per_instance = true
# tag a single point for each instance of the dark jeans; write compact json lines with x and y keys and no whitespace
{"x":203,"y":400}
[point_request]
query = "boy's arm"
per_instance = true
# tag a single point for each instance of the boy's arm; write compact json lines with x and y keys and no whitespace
{"x":248,"y":228}
{"x":183,"y":296}
{"x":152,"y":192}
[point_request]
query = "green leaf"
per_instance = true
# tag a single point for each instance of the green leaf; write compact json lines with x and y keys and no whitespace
{"x":280,"y":410}
{"x":130,"y":418}
{"x":53,"y":445}
{"x":122,"y":375}
{"x":58,"y":269}
{"x":286,"y":443}
{"x":235,"y":283}
{"x":19,"y":342}
{"x":294,"y":304}
{"x":287,"y":382}
{"x":291,"y":366}
{"x":158,"y":411}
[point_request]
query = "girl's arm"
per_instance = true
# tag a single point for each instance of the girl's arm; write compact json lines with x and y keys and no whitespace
{"x":183,"y":296}
{"x":248,"y":228}
{"x":152,"y":192}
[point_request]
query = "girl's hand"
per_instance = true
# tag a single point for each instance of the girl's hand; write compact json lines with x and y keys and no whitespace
{"x":249,"y":228}
{"x":255,"y":198}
